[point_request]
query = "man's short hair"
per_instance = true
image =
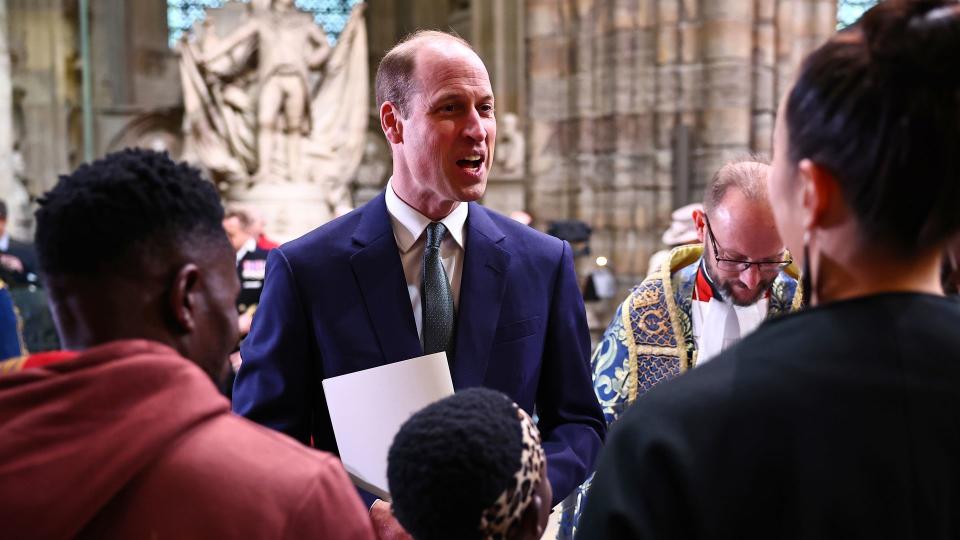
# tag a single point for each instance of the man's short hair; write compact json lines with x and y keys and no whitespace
{"x":450,"y":462}
{"x":243,"y":216}
{"x":748,"y":175}
{"x":395,"y":75}
{"x":108,"y":217}
{"x":3,"y":209}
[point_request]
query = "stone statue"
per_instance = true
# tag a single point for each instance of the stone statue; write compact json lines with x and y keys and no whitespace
{"x":273,"y":113}
{"x":509,"y":157}
{"x":374,"y":168}
{"x":289,"y":44}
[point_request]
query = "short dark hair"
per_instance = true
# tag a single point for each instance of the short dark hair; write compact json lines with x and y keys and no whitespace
{"x":123,"y":208}
{"x":450,"y":462}
{"x":3,"y":209}
{"x":242,"y":216}
{"x":878,"y":107}
{"x":395,"y":74}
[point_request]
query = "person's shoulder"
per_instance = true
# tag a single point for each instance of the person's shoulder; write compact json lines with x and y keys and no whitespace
{"x":329,"y":242}
{"x":646,"y":295}
{"x":519,"y":237}
{"x":246,"y":456}
{"x":330,"y":232}
{"x":229,"y":474}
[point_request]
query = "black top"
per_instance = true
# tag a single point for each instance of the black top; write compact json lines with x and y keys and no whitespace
{"x":251,"y":270}
{"x":839,"y":422}
{"x":28,"y":258}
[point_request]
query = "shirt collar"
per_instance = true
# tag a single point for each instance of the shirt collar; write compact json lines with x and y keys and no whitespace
{"x":409,"y":224}
{"x":704,"y":289}
{"x":248,"y":247}
{"x":5,"y":242}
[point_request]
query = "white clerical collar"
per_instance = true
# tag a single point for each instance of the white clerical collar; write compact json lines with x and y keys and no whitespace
{"x":412,"y":223}
{"x":248,"y":247}
{"x":5,"y":242}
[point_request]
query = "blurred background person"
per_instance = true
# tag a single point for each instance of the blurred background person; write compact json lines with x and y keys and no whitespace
{"x":251,"y":263}
{"x":18,"y":260}
{"x":839,"y":421}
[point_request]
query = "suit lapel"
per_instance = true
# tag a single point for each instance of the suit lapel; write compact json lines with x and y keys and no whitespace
{"x":482,"y":286}
{"x":379,"y":273}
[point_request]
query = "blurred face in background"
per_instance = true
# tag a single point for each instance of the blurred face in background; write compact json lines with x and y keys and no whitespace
{"x":236,"y":232}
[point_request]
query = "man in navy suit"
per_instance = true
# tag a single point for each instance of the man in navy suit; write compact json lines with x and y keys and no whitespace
{"x":423,"y":268}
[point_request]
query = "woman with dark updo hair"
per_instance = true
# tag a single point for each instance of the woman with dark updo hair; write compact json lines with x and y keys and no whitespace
{"x":841,"y":421}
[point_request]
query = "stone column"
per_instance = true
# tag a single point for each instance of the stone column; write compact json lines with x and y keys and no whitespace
{"x":631,"y":100}
{"x":13,"y":194}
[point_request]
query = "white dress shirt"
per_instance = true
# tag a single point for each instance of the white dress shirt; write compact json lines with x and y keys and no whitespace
{"x":248,"y":247}
{"x":711,"y":330}
{"x":408,"y":230}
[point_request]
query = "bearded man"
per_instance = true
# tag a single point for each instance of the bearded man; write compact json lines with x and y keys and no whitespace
{"x":703,"y":298}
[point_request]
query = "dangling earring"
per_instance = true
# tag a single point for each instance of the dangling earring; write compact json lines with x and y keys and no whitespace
{"x":806,"y":279}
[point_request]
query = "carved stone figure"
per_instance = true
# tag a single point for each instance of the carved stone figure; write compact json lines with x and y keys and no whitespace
{"x":511,"y":145}
{"x":273,"y":113}
{"x":289,"y":44}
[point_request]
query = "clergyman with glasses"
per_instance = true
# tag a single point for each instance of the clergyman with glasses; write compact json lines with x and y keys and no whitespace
{"x":704,"y":297}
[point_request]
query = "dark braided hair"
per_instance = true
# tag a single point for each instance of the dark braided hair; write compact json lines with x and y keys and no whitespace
{"x":450,"y":461}
{"x":879,"y":107}
{"x":108,"y":216}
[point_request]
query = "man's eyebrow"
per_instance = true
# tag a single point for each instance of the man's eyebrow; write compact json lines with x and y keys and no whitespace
{"x":453,"y":94}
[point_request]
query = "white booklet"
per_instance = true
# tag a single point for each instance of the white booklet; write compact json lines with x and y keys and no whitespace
{"x":368,"y":407}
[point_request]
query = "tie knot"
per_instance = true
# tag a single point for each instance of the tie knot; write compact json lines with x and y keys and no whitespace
{"x":435,"y":232}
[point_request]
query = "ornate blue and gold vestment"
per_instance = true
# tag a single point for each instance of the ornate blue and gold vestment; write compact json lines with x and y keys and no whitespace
{"x":650,"y":340}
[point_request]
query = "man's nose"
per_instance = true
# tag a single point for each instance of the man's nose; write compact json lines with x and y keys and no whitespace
{"x":474,"y":127}
{"x":751,"y":276}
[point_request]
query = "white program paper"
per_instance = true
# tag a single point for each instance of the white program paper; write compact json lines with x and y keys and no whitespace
{"x":368,"y":407}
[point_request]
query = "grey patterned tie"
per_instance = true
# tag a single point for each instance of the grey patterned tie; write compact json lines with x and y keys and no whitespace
{"x":436,"y":298}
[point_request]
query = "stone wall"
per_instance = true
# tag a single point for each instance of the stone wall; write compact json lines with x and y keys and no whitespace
{"x":632,"y":104}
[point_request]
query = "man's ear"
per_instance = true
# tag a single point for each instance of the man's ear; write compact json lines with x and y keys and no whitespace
{"x":530,"y":526}
{"x":182,"y":298}
{"x":391,"y":122}
{"x":700,"y":221}
{"x":819,"y":194}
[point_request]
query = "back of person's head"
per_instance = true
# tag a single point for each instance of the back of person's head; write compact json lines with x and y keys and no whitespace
{"x":131,"y":209}
{"x":878,"y":107}
{"x":470,"y":467}
{"x":132,"y":246}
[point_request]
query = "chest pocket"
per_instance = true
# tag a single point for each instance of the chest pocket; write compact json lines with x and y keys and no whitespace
{"x":517,"y":330}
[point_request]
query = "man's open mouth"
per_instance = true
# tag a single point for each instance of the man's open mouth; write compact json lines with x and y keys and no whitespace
{"x":471,"y":162}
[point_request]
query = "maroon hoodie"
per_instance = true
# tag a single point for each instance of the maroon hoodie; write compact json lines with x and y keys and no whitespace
{"x":131,"y":440}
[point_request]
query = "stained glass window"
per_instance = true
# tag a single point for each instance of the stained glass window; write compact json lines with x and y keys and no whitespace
{"x":848,"y":11}
{"x":331,"y":14}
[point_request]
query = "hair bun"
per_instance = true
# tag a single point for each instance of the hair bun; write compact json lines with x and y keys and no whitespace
{"x":918,"y":38}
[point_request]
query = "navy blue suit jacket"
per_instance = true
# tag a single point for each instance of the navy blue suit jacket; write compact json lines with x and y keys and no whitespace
{"x":335,"y":301}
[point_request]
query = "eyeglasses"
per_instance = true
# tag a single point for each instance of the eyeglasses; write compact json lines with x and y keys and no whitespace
{"x":737,"y":265}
